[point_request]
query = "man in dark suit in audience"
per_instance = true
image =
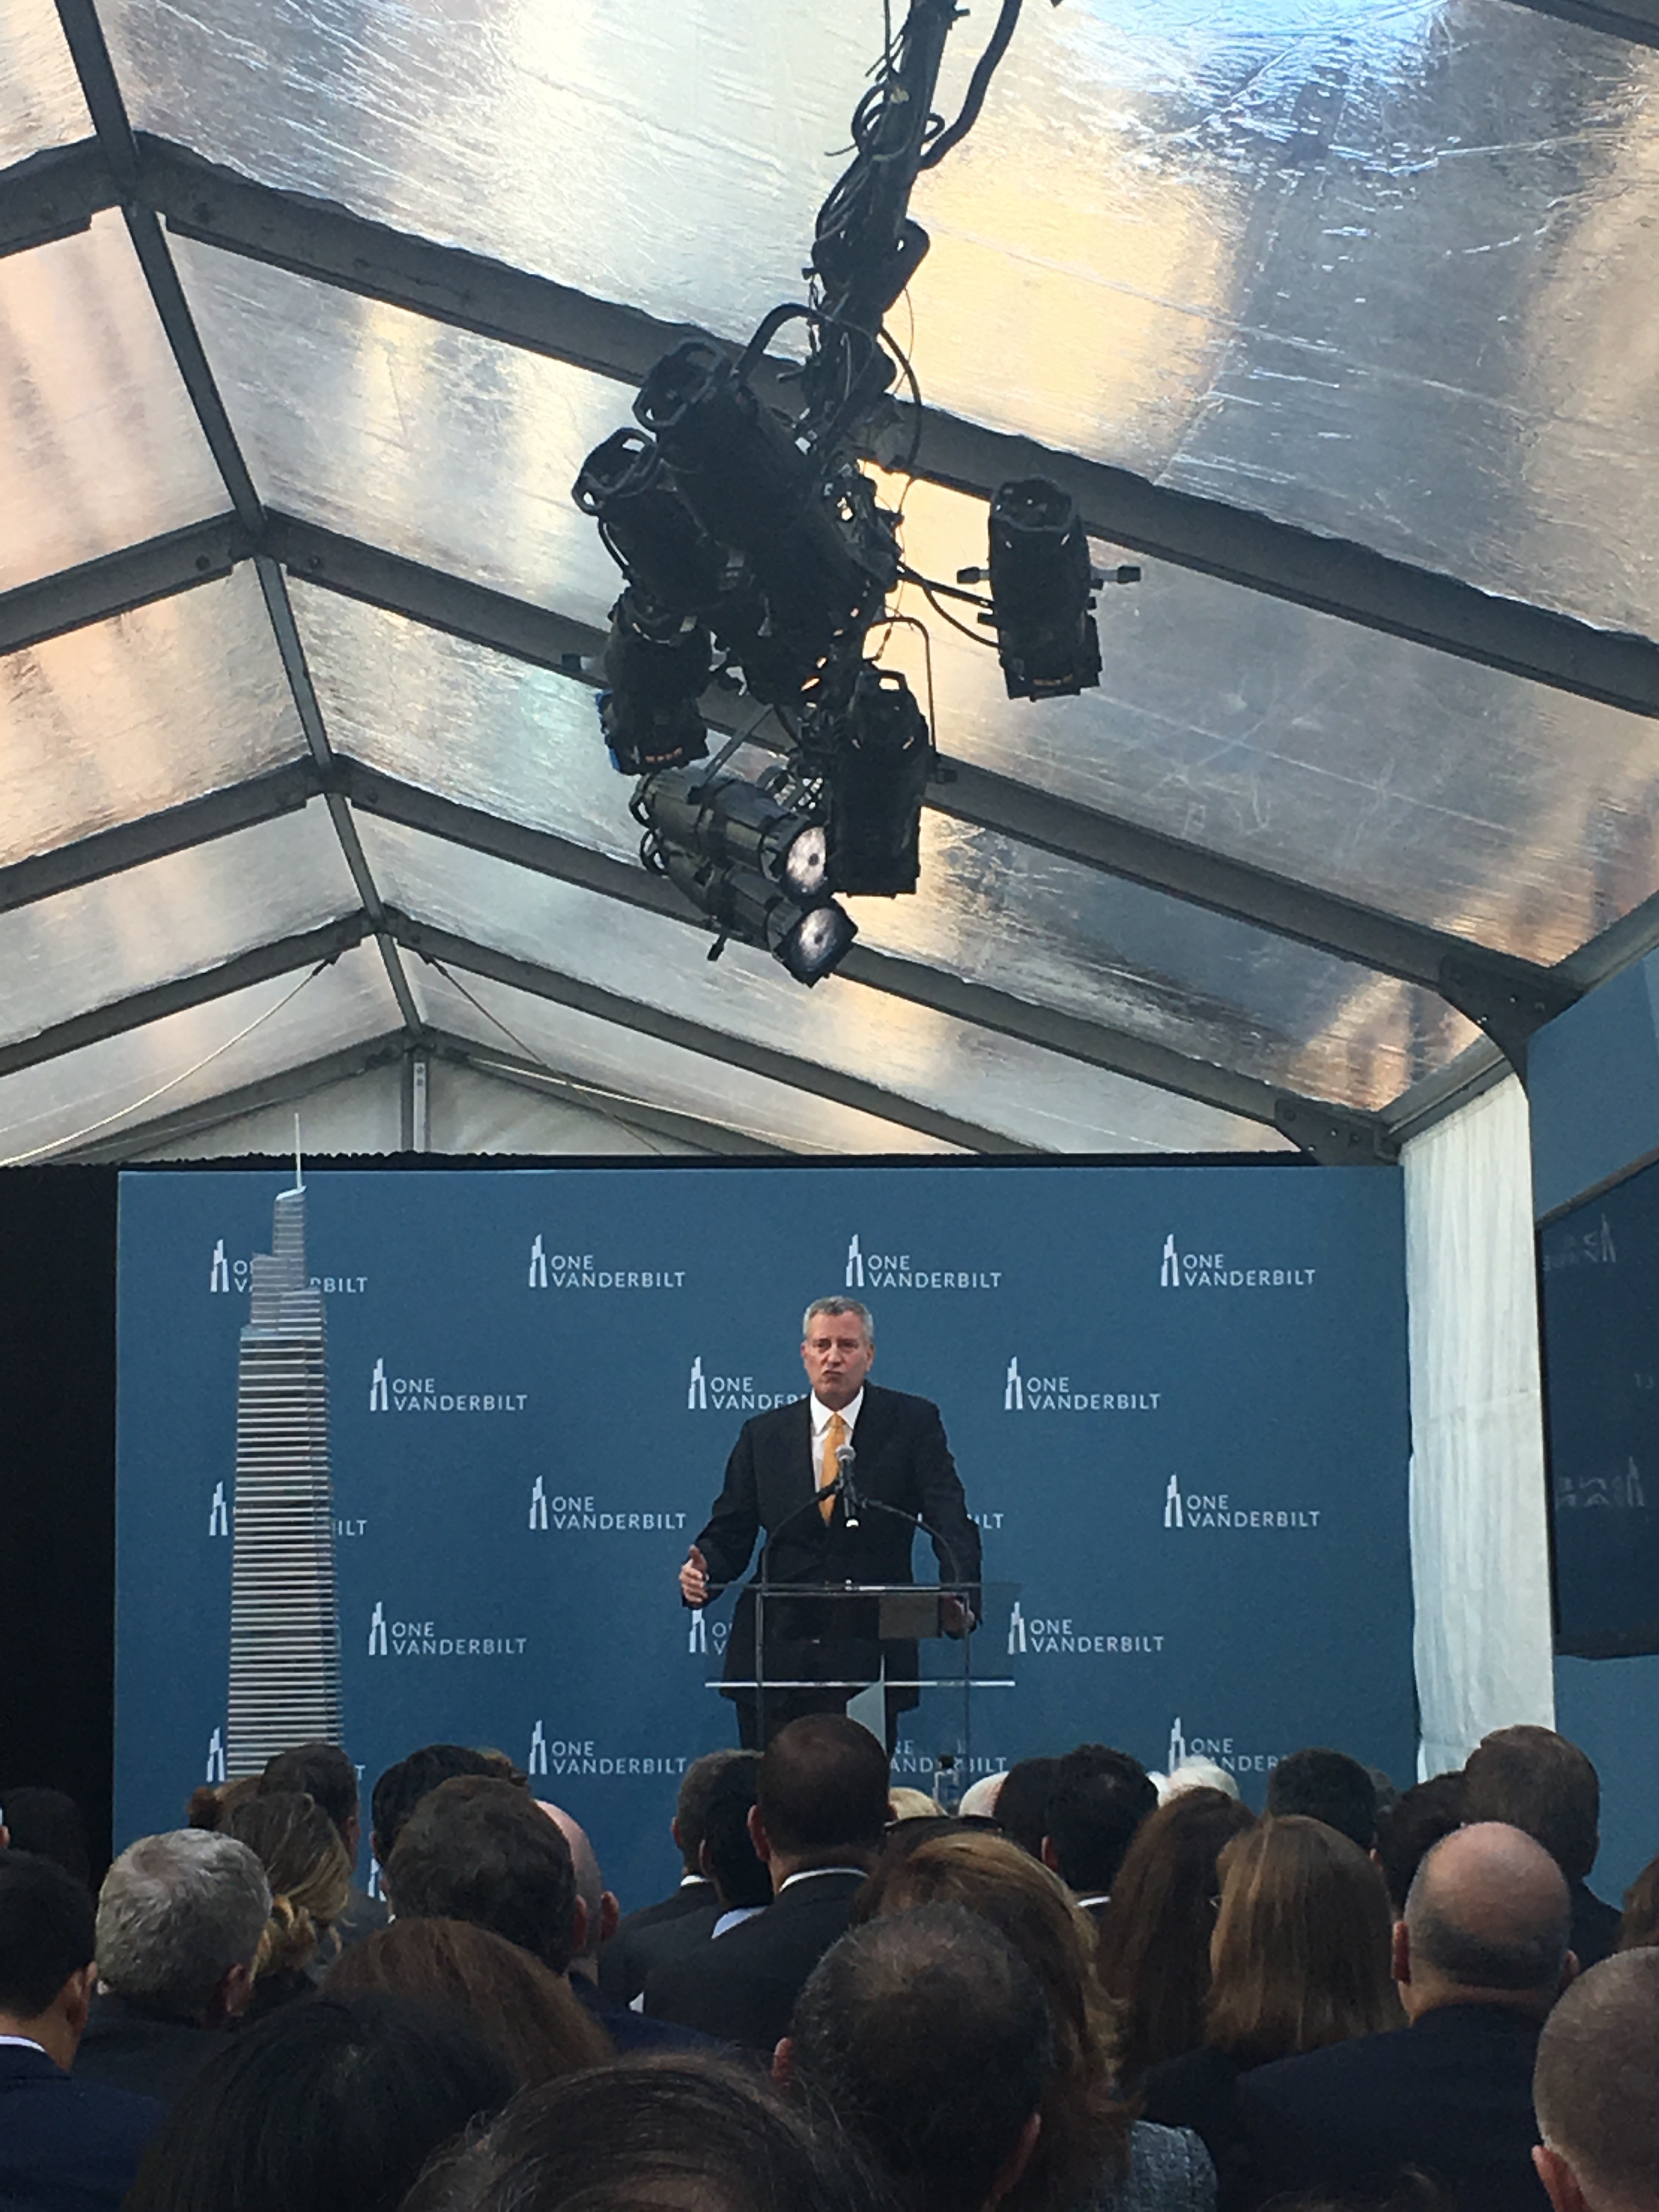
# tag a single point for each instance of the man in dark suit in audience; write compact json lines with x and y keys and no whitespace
{"x":1594,"y":2089}
{"x":1540,"y":1782}
{"x":627,"y":1959}
{"x":1480,"y":1956}
{"x":819,"y":1818}
{"x":1097,"y":1800}
{"x":74,"y":2145}
{"x":179,"y":1919}
{"x":1327,"y":1786}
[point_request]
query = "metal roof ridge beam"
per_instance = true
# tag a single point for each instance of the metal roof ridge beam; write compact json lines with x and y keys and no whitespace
{"x":321,"y":946}
{"x":53,"y":195}
{"x":1333,"y":575}
{"x":114,"y":584}
{"x":1637,"y":21}
{"x":442,"y":948}
{"x":130,"y":844}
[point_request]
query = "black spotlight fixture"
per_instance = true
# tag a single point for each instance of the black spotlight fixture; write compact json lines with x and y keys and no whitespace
{"x":1041,"y":591}
{"x":875,"y":757}
{"x":647,"y":528}
{"x":811,"y":939}
{"x":655,"y":669}
{"x":769,"y":827}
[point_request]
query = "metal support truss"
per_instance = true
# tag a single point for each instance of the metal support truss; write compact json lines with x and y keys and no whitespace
{"x":311,"y":948}
{"x":444,"y":950}
{"x":115,"y":583}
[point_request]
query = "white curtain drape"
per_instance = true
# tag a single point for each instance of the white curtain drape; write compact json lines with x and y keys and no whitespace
{"x":1479,"y":1556}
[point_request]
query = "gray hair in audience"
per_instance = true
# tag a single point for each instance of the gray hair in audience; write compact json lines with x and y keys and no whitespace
{"x":175,"y":1913}
{"x":1593,"y":2086}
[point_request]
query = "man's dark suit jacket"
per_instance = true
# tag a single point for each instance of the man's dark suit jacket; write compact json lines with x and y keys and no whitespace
{"x":635,"y":2033}
{"x":1452,"y":2094}
{"x":902,"y":1461}
{"x":66,"y":2146}
{"x":124,"y":2049}
{"x":635,"y":1946}
{"x":742,"y":1986}
{"x":1595,"y":1928}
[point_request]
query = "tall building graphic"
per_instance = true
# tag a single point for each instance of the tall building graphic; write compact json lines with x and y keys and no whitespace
{"x":284,"y":1621}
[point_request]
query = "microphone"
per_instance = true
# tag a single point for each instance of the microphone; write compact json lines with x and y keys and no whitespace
{"x":846,"y":1458}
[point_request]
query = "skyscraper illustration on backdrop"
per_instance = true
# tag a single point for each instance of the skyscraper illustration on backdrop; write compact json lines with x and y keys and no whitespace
{"x":284,"y":1619}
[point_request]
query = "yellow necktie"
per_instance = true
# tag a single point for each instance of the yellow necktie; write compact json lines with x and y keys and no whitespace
{"x":835,"y":1437}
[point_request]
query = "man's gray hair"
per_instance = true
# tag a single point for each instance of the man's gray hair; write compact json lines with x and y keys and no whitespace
{"x":839,"y":1306}
{"x":175,"y":1913}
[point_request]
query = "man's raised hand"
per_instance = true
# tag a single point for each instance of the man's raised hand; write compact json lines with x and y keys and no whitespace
{"x":694,"y":1578}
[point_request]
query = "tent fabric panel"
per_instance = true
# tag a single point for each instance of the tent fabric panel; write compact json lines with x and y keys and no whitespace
{"x":1376,"y":271}
{"x":43,"y":105}
{"x":361,"y":1113}
{"x":106,"y":940}
{"x":124,"y":718}
{"x":673,"y":156}
{"x":1030,"y":1095}
{"x":200,"y":1054}
{"x":99,"y":447}
{"x":622,"y":1064}
{"x":433,"y":443}
{"x":1508,"y":813}
{"x":524,"y":743}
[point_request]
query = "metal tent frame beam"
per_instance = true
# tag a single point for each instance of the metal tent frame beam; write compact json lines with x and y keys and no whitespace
{"x":1636,"y":21}
{"x":317,"y":239}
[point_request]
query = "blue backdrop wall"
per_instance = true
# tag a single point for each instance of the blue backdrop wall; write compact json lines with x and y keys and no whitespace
{"x":1176,"y":1396}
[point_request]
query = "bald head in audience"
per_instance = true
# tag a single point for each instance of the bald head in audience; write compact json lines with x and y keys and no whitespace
{"x":1594,"y":2089}
{"x":1486,"y":1921}
{"x":599,"y":1909}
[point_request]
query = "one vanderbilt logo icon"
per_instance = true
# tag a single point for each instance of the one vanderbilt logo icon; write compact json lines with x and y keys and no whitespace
{"x":537,"y":1763}
{"x":696,"y":1393}
{"x":1016,"y":1631}
{"x":218,"y":1514}
{"x":1170,"y":1273}
{"x":1177,"y":1750}
{"x":538,"y":1506}
{"x":219,"y":1278}
{"x":215,"y":1758}
{"x":1173,"y":1516}
{"x":1013,"y":1390}
{"x":854,"y":1265}
{"x":377,"y":1643}
{"x":698,"y":1639}
{"x":538,"y":1269}
{"x":378,"y":1399}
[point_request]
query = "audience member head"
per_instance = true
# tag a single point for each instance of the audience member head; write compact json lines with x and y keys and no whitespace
{"x":1096,"y":1800}
{"x":979,"y":1798}
{"x":599,"y":1909}
{"x":1195,"y":1773}
{"x":928,"y":2036}
{"x":1593,"y":2090}
{"x":323,"y":1772}
{"x":479,"y":1849}
{"x":1639,"y":1926}
{"x":402,"y":1787}
{"x":1085,"y":2136}
{"x":1153,"y":1953}
{"x":1488,"y":1921}
{"x":690,"y":1808}
{"x":335,"y":2103}
{"x":1327,"y":1786}
{"x":1300,"y":1954}
{"x":914,"y":1805}
{"x":820,"y":1797}
{"x":49,"y":1823}
{"x":181,"y":1919}
{"x":510,"y":1999}
{"x":1023,"y":1802}
{"x":677,"y":2134}
{"x":310,"y":1875}
{"x":728,"y":1857}
{"x":46,"y":1943}
{"x":211,"y":1803}
{"x":1532,"y":1779}
{"x":1419,"y":1819}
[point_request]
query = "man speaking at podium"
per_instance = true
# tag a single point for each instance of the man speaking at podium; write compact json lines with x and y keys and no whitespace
{"x":829,"y":1478}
